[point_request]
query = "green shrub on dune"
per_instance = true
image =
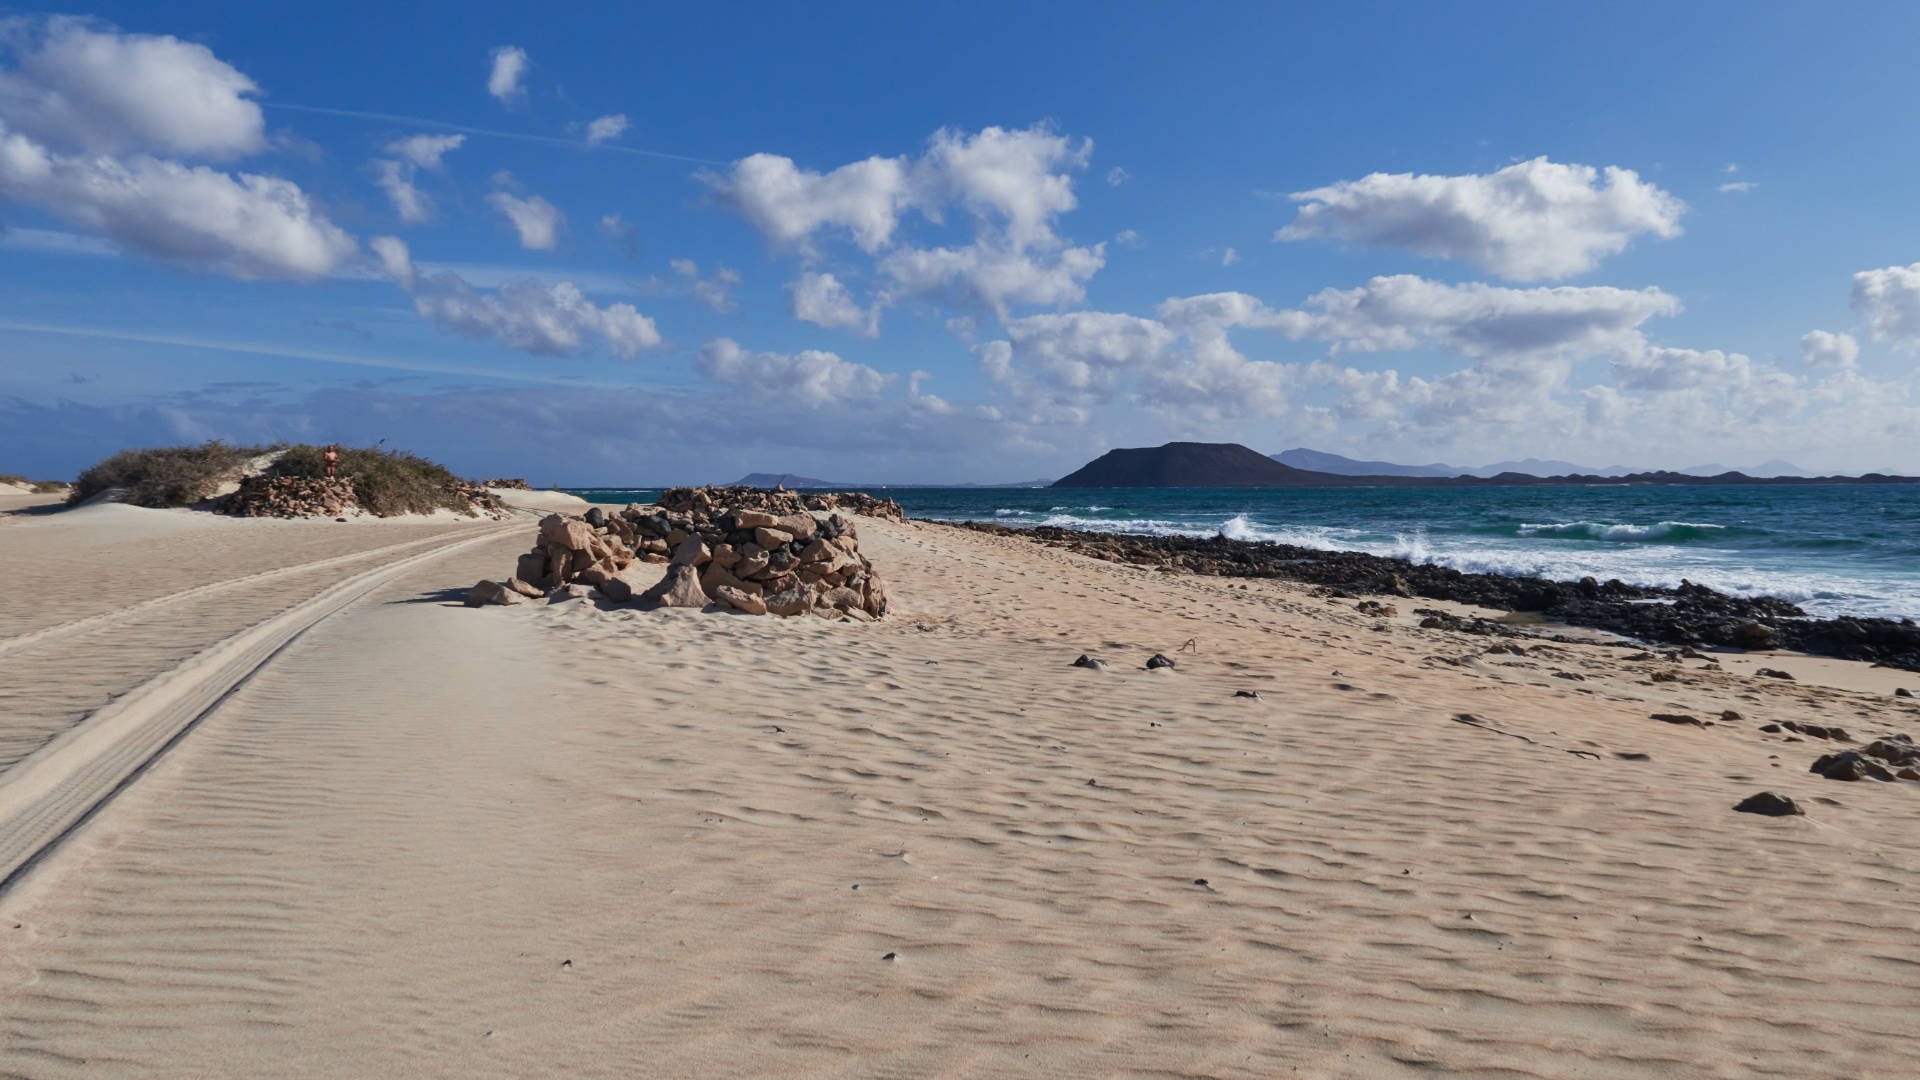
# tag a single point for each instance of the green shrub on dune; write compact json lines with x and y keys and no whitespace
{"x":166,"y":475}
{"x":385,"y":482}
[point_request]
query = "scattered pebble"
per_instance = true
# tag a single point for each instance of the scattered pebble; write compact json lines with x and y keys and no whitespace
{"x":891,"y":956}
{"x":1773,"y":673}
{"x":1681,"y":718}
{"x":1632,"y":755}
{"x":1254,"y":694}
{"x":1158,"y":661}
{"x":1086,"y":661}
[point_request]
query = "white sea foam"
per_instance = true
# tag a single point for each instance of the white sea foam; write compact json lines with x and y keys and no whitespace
{"x":1601,"y":530}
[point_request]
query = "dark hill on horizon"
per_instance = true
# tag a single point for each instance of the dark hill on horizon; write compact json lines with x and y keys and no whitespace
{"x":1193,"y":464}
{"x":1222,"y":465}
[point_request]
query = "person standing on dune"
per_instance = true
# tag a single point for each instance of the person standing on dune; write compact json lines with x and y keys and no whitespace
{"x":332,"y":458}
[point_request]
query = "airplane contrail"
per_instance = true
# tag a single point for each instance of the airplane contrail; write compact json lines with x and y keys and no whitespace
{"x":547,"y":140}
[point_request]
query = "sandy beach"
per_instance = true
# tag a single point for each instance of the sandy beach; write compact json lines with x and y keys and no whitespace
{"x":403,"y":837}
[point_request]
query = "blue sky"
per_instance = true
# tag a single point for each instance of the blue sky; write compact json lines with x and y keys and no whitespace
{"x":961,"y":242}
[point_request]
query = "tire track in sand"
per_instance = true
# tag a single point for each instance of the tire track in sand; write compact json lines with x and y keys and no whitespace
{"x":45,"y":796}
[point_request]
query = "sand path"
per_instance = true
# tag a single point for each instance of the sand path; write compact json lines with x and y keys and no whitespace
{"x":556,"y":840}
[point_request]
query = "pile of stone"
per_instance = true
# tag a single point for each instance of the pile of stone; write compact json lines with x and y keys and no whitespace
{"x":479,"y":498}
{"x":292,"y":496}
{"x":750,"y":560}
{"x":514,"y":482}
{"x":707,"y":500}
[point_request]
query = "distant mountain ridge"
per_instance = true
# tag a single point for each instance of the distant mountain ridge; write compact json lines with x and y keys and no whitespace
{"x":797,"y":482}
{"x":1340,"y":465}
{"x":1191,"y":464}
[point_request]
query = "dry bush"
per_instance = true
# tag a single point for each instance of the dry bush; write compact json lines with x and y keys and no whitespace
{"x":386,"y":482}
{"x":166,"y":475}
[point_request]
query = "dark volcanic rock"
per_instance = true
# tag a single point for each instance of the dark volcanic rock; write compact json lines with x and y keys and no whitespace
{"x":1894,"y":750}
{"x":1158,"y":661}
{"x":1689,"y":615}
{"x":1850,"y":766}
{"x":1769,"y":804}
{"x":1089,"y":662}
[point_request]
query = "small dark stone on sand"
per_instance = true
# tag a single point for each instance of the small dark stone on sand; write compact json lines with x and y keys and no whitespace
{"x":1089,"y":662}
{"x":1770,"y":729}
{"x":1773,"y":673}
{"x":1200,"y":881}
{"x":891,"y":956}
{"x":1573,"y":675}
{"x":1679,"y":718}
{"x":344,"y":519}
{"x":1902,"y":692}
{"x":1769,"y":804}
{"x":566,"y":963}
{"x":1632,"y":755}
{"x":1254,"y":694}
{"x":1728,"y":716}
{"x":1158,"y":661}
{"x":1664,"y":676}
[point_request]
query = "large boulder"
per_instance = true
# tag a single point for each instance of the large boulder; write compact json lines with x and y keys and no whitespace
{"x":691,"y":551}
{"x":531,"y":567}
{"x":490,"y":592}
{"x":802,"y":526}
{"x":680,"y":588}
{"x":568,"y":532}
{"x":717,"y":577}
{"x":771,"y":538}
{"x":525,"y":588}
{"x":753,"y":559}
{"x":793,"y":601}
{"x":740,"y":601}
{"x":609,"y":582}
{"x":753,"y":519}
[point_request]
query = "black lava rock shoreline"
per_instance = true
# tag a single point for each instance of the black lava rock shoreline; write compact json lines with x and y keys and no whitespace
{"x":1688,"y":615}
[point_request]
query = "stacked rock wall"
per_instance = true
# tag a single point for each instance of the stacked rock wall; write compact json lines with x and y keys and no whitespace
{"x":710,"y":500}
{"x":751,"y":560}
{"x":292,"y":496}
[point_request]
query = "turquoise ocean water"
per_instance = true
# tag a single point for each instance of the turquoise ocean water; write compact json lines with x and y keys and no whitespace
{"x":1835,"y":549}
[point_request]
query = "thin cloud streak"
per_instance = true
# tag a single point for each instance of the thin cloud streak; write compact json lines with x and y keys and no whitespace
{"x":252,"y":349}
{"x":544,"y":140}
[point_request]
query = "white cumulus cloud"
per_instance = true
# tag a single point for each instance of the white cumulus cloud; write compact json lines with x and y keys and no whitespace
{"x":396,"y":179}
{"x":536,"y":220}
{"x":425,"y":151}
{"x":812,"y":378}
{"x":821,"y":299}
{"x":1889,"y":300}
{"x":505,"y":80}
{"x":1534,"y":220}
{"x":789,"y":204}
{"x":243,"y":226}
{"x":712,"y":292}
{"x":78,"y":84}
{"x":396,"y":262}
{"x":991,"y":275}
{"x":607,"y":128}
{"x":1820,"y":348}
{"x":533,"y":317}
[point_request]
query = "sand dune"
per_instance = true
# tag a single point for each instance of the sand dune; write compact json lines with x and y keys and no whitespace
{"x":558,"y":840}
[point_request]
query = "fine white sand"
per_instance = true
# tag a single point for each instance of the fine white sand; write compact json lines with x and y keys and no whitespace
{"x":546,"y":502}
{"x":562,"y":839}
